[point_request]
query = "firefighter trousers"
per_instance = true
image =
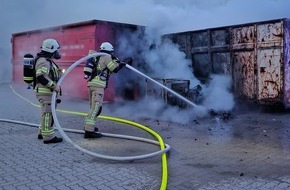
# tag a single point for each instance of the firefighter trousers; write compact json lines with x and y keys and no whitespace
{"x":96,"y":96}
{"x":46,"y":127}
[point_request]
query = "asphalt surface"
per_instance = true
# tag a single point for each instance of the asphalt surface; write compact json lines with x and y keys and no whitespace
{"x":249,"y":150}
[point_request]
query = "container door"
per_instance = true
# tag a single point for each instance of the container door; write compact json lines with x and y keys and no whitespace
{"x":200,"y":55}
{"x":243,"y":60}
{"x":244,"y":75}
{"x":184,"y":42}
{"x":201,"y":66}
{"x":269,"y":74}
{"x":269,"y":62}
{"x":222,"y":63}
{"x":220,"y":52}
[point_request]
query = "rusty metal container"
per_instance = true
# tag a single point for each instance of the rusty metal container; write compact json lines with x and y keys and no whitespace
{"x":256,"y":56}
{"x":76,"y":40}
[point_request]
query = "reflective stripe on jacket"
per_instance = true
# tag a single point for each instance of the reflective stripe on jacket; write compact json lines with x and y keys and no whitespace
{"x":50,"y":71}
{"x":106,"y":66}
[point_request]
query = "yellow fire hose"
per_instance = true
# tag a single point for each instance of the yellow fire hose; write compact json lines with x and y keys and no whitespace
{"x":164,"y":147}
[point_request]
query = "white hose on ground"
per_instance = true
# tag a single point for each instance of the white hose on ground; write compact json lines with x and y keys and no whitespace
{"x":107,"y":135}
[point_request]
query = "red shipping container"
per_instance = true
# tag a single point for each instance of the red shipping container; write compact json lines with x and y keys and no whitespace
{"x":76,"y":40}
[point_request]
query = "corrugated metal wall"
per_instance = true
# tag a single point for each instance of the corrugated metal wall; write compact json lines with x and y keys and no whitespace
{"x":252,"y":54}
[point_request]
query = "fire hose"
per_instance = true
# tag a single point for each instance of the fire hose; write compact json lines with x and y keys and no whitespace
{"x":61,"y":131}
{"x":164,"y":147}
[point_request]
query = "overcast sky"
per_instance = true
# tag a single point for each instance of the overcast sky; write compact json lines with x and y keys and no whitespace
{"x":165,"y":15}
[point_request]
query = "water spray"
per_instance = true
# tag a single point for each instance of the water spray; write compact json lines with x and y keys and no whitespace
{"x":166,"y":88}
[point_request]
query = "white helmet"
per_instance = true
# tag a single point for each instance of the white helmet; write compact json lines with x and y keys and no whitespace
{"x":50,"y":45}
{"x":106,"y":46}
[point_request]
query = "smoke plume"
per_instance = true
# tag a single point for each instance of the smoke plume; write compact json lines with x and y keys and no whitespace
{"x":161,"y":58}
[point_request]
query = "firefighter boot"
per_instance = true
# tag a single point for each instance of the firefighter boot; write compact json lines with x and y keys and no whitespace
{"x":39,"y":136}
{"x":96,"y":129}
{"x":54,"y":140}
{"x":92,"y":135}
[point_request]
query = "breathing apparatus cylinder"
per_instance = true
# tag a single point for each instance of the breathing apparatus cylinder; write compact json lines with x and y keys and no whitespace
{"x":28,"y":68}
{"x":90,"y":65}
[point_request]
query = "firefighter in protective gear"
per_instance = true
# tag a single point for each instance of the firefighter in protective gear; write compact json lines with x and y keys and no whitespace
{"x":97,"y":71}
{"x":47,"y":75}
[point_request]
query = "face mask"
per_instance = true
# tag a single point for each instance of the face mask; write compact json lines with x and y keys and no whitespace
{"x":56,"y":55}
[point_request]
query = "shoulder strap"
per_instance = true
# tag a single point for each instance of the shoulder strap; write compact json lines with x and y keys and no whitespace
{"x":95,"y":72}
{"x":34,"y":71}
{"x":52,"y":62}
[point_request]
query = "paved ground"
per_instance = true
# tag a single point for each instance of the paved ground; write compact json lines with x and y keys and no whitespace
{"x":251,"y":150}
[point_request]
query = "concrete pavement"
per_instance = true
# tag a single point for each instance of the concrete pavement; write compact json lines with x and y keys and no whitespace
{"x":250,"y":151}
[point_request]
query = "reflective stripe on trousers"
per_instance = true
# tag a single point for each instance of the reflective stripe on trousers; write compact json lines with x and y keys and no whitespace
{"x":96,"y":100}
{"x":91,"y":117}
{"x":46,"y":126}
{"x":43,"y":90}
{"x":98,"y":82}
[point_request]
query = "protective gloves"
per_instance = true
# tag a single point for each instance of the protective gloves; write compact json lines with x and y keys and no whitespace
{"x":128,"y":61}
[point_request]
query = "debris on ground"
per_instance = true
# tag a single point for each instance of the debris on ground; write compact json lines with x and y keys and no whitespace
{"x":224,"y":115}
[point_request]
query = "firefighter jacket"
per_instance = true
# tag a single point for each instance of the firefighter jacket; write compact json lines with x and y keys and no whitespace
{"x":103,"y":68}
{"x":47,"y":75}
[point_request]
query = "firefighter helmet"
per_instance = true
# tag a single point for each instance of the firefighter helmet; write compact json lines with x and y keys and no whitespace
{"x":106,"y":46}
{"x":50,"y":45}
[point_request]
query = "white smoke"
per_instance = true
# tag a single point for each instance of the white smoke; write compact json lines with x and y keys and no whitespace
{"x":155,"y":108}
{"x":160,"y":16}
{"x":164,"y":60}
{"x":218,"y":94}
